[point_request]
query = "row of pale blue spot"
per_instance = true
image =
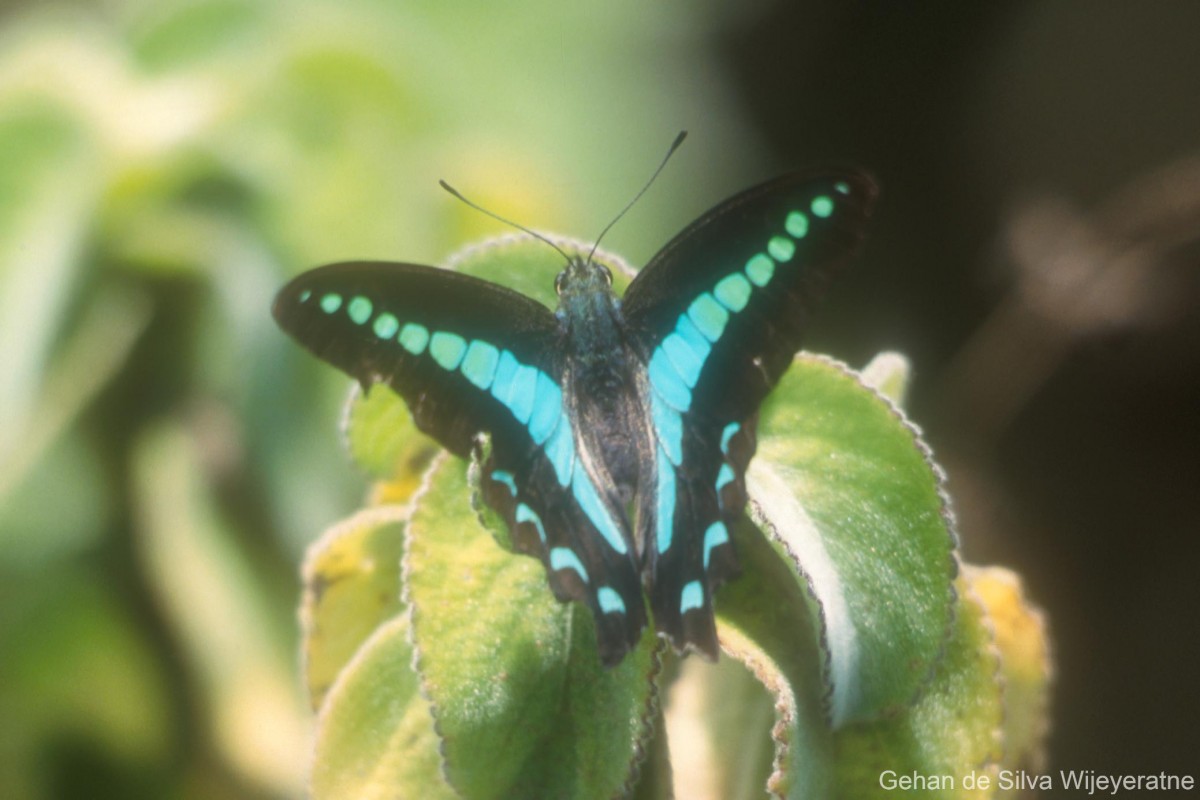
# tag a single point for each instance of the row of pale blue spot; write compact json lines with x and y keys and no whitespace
{"x":675,"y":368}
{"x":532,"y":397}
{"x":560,"y":557}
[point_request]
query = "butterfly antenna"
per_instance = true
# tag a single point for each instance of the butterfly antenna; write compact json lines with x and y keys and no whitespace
{"x":670,"y":151}
{"x":499,"y":218}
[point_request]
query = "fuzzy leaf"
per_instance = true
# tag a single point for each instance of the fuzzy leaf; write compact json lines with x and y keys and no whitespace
{"x":888,"y":373}
{"x":528,"y":266}
{"x":707,"y":703}
{"x":384,"y":441}
{"x":850,"y":498}
{"x":521,"y":702}
{"x":351,"y":586}
{"x":952,"y":730}
{"x":765,"y":622}
{"x":375,"y":737}
{"x":1026,"y":667}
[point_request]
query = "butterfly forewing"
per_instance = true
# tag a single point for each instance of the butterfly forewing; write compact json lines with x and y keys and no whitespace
{"x":434,"y":336}
{"x":718,"y":315}
{"x":470,"y":357}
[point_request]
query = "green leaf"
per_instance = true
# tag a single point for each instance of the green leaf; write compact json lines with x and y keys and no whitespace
{"x":708,"y":703}
{"x":654,"y":776}
{"x":351,"y":587}
{"x":850,"y":498}
{"x":765,"y":622}
{"x":526,"y":265}
{"x":1026,"y":668}
{"x":520,"y":699}
{"x":889,"y":374}
{"x":383,"y":439}
{"x":375,"y":736}
{"x":952,"y":730}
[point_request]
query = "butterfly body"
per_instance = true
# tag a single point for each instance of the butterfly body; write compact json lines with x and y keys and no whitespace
{"x":601,"y":377}
{"x":620,"y":428}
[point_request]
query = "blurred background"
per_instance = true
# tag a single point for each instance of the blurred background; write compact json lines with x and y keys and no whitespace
{"x":166,"y":455}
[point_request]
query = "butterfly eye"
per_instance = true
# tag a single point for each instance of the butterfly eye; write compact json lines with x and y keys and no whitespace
{"x":560,"y":282}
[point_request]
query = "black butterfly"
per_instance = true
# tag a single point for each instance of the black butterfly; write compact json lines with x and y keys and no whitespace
{"x":621,"y":428}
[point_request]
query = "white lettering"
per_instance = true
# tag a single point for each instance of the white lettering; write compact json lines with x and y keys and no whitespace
{"x":1020,"y":779}
{"x":1093,"y":782}
{"x":888,"y":779}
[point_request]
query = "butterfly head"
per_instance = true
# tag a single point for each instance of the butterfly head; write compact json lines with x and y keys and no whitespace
{"x":584,"y":289}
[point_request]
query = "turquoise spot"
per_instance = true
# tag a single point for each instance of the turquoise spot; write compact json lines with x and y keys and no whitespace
{"x":331,"y":302}
{"x":507,"y":479}
{"x":307,"y":293}
{"x":527,"y":514}
{"x":781,"y":248}
{"x":547,"y":407}
{"x":759,"y":269}
{"x":683,"y":358}
{"x":709,"y":315}
{"x":386,"y":326}
{"x":716,"y":535}
{"x":589,"y":500}
{"x":664,"y":495}
{"x":796,"y":225}
{"x":414,"y":337}
{"x":359,"y":310}
{"x":692,"y":335}
{"x":560,"y":449}
{"x":506,"y":369}
{"x":733,"y":291}
{"x":724,"y":476}
{"x":691,"y":597}
{"x":447,"y":349}
{"x":668,"y":427}
{"x":842,"y":187}
{"x":479,"y":364}
{"x":668,"y":383}
{"x":562,"y":558}
{"x":822,"y":206}
{"x":727,"y":434}
{"x":610,"y":602}
{"x":520,"y":397}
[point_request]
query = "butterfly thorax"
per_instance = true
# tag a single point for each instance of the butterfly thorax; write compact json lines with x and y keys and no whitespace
{"x":593,"y":336}
{"x":602,"y":374}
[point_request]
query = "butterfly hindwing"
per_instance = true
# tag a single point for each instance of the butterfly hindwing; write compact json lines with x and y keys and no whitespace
{"x":547,"y":521}
{"x":718,"y":315}
{"x":471,"y":357}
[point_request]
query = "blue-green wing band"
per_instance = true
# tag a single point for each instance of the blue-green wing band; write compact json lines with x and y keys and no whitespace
{"x":470,"y":357}
{"x":718,"y":315}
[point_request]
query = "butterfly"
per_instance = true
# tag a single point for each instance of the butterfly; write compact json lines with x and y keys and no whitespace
{"x":620,"y":427}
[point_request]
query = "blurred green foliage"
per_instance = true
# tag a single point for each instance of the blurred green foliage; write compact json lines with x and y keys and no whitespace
{"x":164,"y":452}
